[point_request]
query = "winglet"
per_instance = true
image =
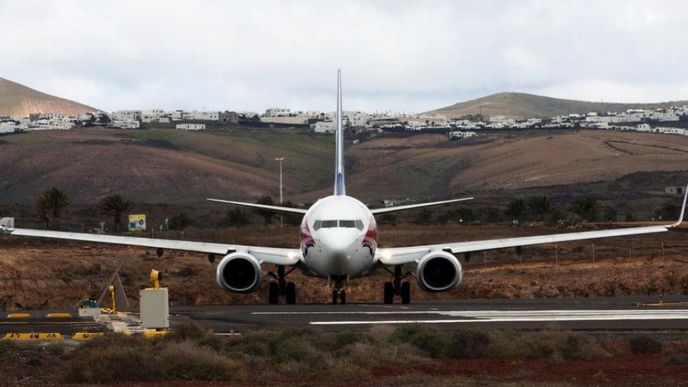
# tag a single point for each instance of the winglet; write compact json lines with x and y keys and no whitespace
{"x":683,"y":209}
{"x":6,"y":225}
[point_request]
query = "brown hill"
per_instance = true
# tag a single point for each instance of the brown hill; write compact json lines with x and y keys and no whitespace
{"x":170,"y":166}
{"x":522,"y":105}
{"x":19,"y":100}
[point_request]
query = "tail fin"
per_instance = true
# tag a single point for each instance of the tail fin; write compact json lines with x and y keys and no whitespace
{"x":339,"y":185}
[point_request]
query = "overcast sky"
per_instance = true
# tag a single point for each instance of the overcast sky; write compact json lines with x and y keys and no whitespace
{"x":395,"y":55}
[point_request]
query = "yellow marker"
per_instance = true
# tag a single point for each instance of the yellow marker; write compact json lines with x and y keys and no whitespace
{"x":153,"y":334}
{"x":58,"y":315}
{"x":155,"y":277}
{"x":19,"y":315}
{"x":114,"y":300}
{"x":32,"y":336}
{"x":86,"y":335}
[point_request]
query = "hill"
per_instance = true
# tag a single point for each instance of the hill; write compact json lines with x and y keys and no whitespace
{"x":522,"y":106}
{"x":19,"y":100}
{"x":178,"y":167}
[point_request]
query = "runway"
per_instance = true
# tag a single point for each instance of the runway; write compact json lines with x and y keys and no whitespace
{"x":614,"y":313}
{"x":591,"y":314}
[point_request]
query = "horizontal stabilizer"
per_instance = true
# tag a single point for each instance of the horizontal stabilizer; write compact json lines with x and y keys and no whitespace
{"x":414,"y":206}
{"x":286,"y":210}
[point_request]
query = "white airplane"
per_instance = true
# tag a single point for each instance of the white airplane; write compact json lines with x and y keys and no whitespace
{"x":339,"y":243}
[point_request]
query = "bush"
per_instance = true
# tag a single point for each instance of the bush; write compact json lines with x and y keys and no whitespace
{"x":680,"y":357}
{"x":467,"y":344}
{"x":642,"y":343}
{"x":428,"y":340}
{"x":189,"y":361}
{"x":6,"y":346}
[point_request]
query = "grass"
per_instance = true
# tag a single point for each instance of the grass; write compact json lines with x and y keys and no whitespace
{"x":644,"y":343}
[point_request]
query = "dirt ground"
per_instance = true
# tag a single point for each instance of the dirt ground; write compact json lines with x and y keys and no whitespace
{"x":36,"y":274}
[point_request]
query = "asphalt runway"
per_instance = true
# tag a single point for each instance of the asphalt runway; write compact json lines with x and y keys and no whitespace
{"x":595,"y":314}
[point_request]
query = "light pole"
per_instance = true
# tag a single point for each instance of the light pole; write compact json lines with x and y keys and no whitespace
{"x":281,"y":159}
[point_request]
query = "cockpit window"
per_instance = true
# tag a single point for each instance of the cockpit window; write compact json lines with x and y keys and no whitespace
{"x":347,"y":223}
{"x":329,"y":223}
{"x":318,"y":224}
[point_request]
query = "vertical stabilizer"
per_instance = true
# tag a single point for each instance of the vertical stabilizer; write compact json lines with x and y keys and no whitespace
{"x":339,"y":186}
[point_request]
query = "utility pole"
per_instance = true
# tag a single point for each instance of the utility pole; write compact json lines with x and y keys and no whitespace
{"x":281,"y":159}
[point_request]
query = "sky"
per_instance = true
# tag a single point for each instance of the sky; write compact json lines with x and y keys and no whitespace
{"x":408,"y":56}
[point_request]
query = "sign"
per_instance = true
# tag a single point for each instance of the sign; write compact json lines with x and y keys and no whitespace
{"x":137,"y":222}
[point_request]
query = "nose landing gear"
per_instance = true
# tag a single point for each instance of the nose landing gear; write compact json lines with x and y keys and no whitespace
{"x":281,"y":287}
{"x":338,"y":292}
{"x":398,"y":288}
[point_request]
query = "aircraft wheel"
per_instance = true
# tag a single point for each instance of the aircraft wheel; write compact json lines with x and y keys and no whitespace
{"x":335,"y":296}
{"x":405,"y":293}
{"x":291,"y":293}
{"x":342,"y":297}
{"x":273,"y":293}
{"x":389,"y":293}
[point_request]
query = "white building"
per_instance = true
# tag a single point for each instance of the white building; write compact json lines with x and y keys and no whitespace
{"x":126,"y":115}
{"x":152,"y":115}
{"x":125,"y":124}
{"x":324,"y":127}
{"x":195,"y":115}
{"x":277,"y":112}
{"x":189,"y":126}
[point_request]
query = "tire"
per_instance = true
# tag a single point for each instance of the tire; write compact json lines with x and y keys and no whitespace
{"x":335,"y":296}
{"x":291,"y":293}
{"x":405,"y":293}
{"x":389,"y":293}
{"x":273,"y":293}
{"x":342,"y":297}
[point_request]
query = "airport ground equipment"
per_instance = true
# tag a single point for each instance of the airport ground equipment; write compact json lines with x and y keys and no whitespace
{"x":154,"y":304}
{"x":88,"y":308}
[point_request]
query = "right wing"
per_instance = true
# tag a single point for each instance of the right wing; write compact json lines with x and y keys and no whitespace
{"x":288,"y":210}
{"x":272,"y":255}
{"x":383,"y":210}
{"x":402,"y":255}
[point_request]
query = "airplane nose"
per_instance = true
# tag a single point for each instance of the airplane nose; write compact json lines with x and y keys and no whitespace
{"x":338,"y":241}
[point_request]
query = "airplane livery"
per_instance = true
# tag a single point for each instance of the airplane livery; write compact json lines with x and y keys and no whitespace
{"x":338,"y":243}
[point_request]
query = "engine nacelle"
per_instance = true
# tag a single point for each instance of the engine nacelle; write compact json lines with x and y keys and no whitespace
{"x":239,"y":272}
{"x":439,"y":271}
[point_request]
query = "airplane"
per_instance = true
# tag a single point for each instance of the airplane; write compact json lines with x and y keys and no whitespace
{"x":338,"y":243}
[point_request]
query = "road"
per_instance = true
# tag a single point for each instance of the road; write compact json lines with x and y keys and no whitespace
{"x":613,"y":313}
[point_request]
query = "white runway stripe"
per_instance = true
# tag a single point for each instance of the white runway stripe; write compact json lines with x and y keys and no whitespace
{"x":482,"y":316}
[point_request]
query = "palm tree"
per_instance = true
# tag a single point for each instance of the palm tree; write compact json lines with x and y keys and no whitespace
{"x":51,"y":204}
{"x":115,"y":205}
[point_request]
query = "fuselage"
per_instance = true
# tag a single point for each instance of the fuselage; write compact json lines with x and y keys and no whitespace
{"x":338,"y":238}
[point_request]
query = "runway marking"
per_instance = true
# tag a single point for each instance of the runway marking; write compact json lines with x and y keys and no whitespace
{"x":506,"y":316}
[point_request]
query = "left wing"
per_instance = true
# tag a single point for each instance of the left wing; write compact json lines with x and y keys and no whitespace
{"x":272,"y":255}
{"x":401,"y":255}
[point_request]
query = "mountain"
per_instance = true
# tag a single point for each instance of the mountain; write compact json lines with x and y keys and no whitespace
{"x":184,"y":168}
{"x":522,"y":105}
{"x":19,"y":100}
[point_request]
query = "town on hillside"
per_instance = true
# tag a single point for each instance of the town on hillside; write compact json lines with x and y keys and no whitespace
{"x":672,"y":120}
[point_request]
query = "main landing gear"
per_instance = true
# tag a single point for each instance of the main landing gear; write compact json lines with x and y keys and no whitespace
{"x":398,"y":288}
{"x":281,"y":287}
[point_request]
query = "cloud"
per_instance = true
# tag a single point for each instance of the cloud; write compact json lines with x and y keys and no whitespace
{"x":395,"y":55}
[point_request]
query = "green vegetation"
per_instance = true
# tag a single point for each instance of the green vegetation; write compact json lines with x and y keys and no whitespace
{"x":115,"y":206}
{"x":51,"y":204}
{"x":313,"y":356}
{"x":179,"y":221}
{"x":643,"y":343}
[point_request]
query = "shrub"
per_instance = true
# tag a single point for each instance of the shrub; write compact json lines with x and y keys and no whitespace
{"x":642,"y":343}
{"x":680,"y":357}
{"x":467,"y":344}
{"x":346,"y":338}
{"x":188,"y":361}
{"x":6,"y":346}
{"x":189,"y":331}
{"x":428,"y":340}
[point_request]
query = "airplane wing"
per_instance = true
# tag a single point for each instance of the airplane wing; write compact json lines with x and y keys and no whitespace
{"x":383,"y":210}
{"x":271,"y":255}
{"x":402,"y":255}
{"x":288,"y":210}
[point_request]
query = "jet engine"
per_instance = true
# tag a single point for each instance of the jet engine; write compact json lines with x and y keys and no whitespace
{"x":438,"y":271}
{"x":239,"y":272}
